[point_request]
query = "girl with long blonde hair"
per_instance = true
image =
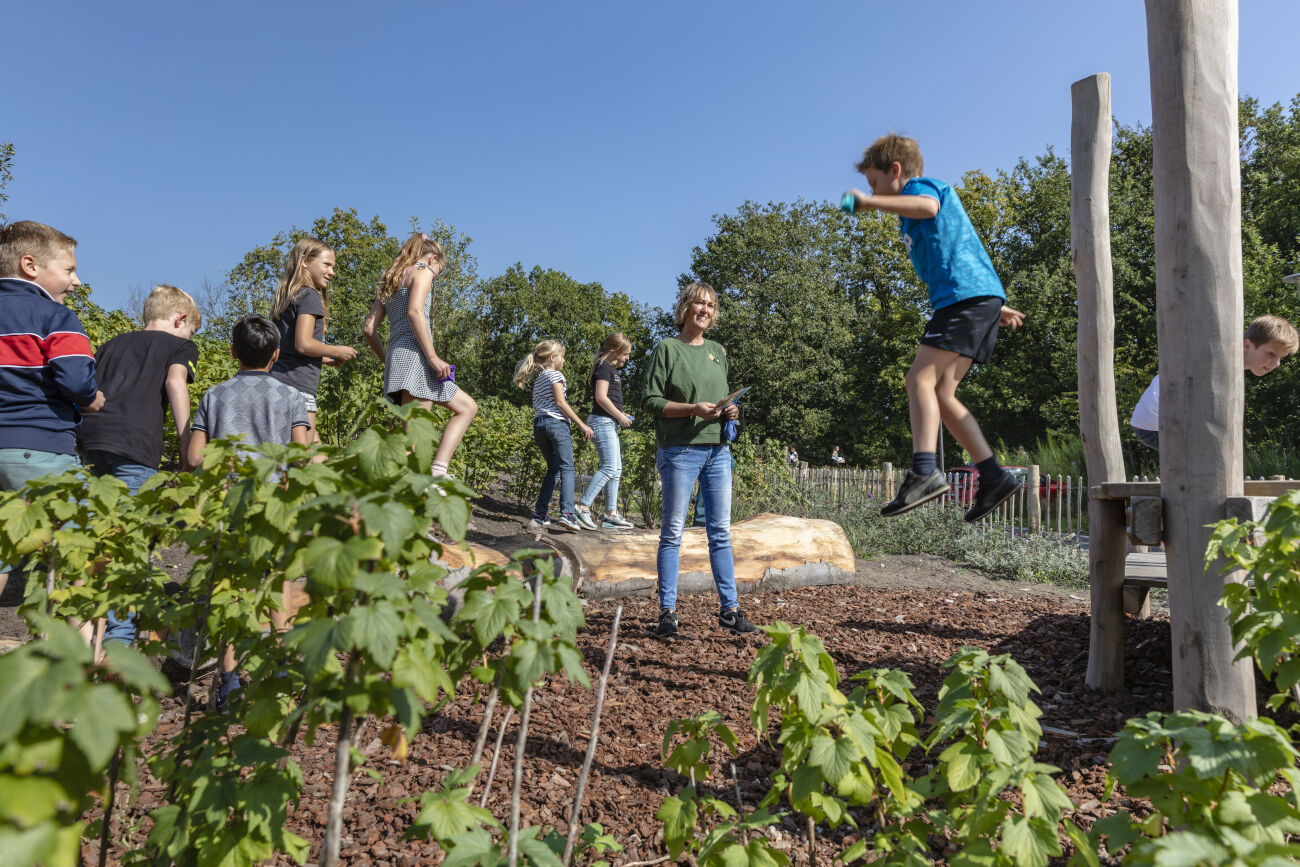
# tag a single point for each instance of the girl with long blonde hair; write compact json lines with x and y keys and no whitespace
{"x":300,"y":310}
{"x":551,"y":417}
{"x":413,"y":370}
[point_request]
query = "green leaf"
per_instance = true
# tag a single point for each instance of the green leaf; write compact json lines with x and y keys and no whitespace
{"x":393,"y":522}
{"x":961,"y":766}
{"x":319,"y":640}
{"x":444,"y":815}
{"x":375,"y":629}
{"x":834,"y":757}
{"x":98,"y":714}
{"x":332,"y":565}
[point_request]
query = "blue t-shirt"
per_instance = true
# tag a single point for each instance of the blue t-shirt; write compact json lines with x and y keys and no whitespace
{"x":945,"y":250}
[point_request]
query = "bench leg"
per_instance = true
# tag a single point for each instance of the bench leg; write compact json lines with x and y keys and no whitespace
{"x":1137,"y":601}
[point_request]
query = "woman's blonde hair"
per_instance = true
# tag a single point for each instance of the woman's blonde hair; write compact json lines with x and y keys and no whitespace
{"x":611,"y":347}
{"x":692,"y":292}
{"x":295,"y":276}
{"x":534,"y":361}
{"x":417,"y":247}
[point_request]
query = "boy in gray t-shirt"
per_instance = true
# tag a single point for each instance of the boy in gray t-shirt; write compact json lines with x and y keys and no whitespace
{"x":261,"y":408}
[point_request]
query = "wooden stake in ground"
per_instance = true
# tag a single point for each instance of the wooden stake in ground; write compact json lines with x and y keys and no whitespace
{"x":342,"y":775}
{"x":591,"y":743}
{"x":512,"y":845}
{"x":1192,"y":50}
{"x":1090,"y":149}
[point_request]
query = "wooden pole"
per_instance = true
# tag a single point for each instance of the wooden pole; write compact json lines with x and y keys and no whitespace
{"x":1031,"y":498}
{"x":1192,"y":50}
{"x":1090,"y":133}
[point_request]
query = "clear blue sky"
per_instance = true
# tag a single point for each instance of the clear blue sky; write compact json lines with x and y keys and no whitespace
{"x":595,"y":138}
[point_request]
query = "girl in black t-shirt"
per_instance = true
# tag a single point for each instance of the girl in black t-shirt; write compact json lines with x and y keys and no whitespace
{"x":606,"y":384}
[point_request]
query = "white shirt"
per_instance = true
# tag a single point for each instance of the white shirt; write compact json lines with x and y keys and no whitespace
{"x":1146,"y":415}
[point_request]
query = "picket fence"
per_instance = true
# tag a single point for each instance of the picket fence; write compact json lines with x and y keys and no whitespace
{"x":1057,"y":506}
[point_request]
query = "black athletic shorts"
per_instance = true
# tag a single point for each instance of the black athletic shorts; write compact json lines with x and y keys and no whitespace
{"x":968,"y":328}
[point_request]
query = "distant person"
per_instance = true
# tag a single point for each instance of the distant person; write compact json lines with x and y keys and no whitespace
{"x":300,"y":309}
{"x":792,"y":457}
{"x":607,"y":416}
{"x":1268,"y":340}
{"x":47,"y":371}
{"x":968,"y":301}
{"x":413,"y":370}
{"x":261,"y":409}
{"x":544,"y":366}
{"x":837,"y":460}
{"x":142,"y":373}
{"x":685,"y":380}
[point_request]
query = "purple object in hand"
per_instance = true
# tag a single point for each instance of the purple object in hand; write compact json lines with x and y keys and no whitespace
{"x":451,"y":374}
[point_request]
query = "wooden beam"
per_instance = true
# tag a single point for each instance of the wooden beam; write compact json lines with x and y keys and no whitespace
{"x":1192,"y":52}
{"x":1249,"y":488}
{"x":1090,"y":146}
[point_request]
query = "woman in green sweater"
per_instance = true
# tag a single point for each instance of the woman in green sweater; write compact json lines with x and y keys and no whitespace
{"x":685,"y":379}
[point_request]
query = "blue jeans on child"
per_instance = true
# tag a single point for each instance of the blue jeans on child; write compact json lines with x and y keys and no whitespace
{"x":679,"y":467}
{"x":133,"y":475}
{"x":553,"y":437}
{"x":611,"y":462}
{"x":20,"y":466}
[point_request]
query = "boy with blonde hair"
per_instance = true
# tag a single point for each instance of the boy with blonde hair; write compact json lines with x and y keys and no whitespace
{"x":1268,"y":340}
{"x":142,"y":373}
{"x":47,"y":371}
{"x":968,"y":301}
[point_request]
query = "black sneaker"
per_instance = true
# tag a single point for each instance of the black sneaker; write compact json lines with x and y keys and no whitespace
{"x":915,"y":491}
{"x":989,"y":496}
{"x":736,"y":621}
{"x":667,"y":627}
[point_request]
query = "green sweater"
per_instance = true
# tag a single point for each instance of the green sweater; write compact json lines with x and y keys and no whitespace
{"x":683,"y":373}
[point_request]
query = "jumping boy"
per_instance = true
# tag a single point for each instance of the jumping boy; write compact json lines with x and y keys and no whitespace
{"x":968,"y":301}
{"x":1269,"y":339}
{"x":47,"y":371}
{"x":261,"y":408}
{"x":141,"y":373}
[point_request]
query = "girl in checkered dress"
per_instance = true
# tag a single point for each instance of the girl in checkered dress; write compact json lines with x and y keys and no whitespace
{"x":413,"y":370}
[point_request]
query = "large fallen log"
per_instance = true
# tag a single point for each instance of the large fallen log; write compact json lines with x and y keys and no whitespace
{"x":771,"y":552}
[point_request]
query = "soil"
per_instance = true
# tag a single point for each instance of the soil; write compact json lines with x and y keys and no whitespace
{"x":909,"y":613}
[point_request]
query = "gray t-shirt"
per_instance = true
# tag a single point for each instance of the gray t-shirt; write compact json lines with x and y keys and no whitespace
{"x":254,"y":404}
{"x":300,"y":371}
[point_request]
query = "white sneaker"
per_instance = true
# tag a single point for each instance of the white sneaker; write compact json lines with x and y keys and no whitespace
{"x":569,"y":522}
{"x":583,"y":514}
{"x":615,"y":521}
{"x":535,"y":524}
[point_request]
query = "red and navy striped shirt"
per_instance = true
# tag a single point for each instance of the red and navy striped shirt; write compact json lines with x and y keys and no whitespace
{"x":47,"y":370}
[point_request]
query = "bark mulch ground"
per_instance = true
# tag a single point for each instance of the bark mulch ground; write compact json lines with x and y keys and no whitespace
{"x":653,"y":681}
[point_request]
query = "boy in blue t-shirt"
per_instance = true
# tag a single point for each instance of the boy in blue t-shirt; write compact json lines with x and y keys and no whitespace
{"x":967,"y":297}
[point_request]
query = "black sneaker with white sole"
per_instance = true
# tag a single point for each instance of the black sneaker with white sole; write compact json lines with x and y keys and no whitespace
{"x":915,"y":491}
{"x":988,"y":496}
{"x":667,"y":626}
{"x":736,"y":621}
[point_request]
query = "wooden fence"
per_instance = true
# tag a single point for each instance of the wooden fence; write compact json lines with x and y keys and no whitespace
{"x":1055,"y":504}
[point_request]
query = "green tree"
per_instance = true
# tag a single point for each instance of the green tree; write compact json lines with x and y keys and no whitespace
{"x":6,"y":172}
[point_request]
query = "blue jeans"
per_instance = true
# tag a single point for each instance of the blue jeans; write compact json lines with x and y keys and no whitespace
{"x":679,"y":467}
{"x":556,"y":442}
{"x":611,"y":462}
{"x":133,"y":475}
{"x":20,"y":466}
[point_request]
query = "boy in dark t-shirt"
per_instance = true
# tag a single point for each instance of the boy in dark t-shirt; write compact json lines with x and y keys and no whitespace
{"x":140,"y":373}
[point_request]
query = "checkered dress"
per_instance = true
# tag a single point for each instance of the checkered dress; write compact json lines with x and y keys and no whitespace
{"x":405,"y":367}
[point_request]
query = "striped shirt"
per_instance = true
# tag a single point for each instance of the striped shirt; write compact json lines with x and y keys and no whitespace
{"x":544,"y":405}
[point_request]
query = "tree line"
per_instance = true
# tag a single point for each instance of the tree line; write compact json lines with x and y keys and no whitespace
{"x":821,"y":312}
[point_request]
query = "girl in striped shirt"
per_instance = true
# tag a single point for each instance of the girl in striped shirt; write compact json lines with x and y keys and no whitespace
{"x":551,"y":417}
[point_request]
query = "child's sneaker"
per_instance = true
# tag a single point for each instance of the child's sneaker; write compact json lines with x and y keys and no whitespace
{"x":989,"y":496}
{"x":569,"y":522}
{"x":667,"y":626}
{"x":228,"y":692}
{"x":538,"y":524}
{"x":583,"y":515}
{"x":915,"y":491}
{"x":615,"y":521}
{"x":736,"y":621}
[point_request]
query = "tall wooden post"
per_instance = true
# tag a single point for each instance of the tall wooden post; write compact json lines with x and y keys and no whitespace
{"x":1090,"y":140}
{"x":1192,"y":50}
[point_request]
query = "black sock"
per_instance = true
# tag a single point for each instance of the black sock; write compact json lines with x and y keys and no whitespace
{"x":923,"y":463}
{"x":989,"y":469}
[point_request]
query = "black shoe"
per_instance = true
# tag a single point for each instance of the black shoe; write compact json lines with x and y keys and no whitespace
{"x":915,"y":491}
{"x":736,"y":621}
{"x":667,"y":627}
{"x":991,"y":495}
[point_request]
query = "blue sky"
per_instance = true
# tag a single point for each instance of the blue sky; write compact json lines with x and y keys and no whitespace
{"x":594,"y":138}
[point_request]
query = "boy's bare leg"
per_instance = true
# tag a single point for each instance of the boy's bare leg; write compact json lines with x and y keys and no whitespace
{"x":958,"y":419}
{"x":931,"y":367}
{"x":282,"y":620}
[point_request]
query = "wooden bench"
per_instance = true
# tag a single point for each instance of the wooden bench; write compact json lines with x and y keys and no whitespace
{"x":1141,"y":573}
